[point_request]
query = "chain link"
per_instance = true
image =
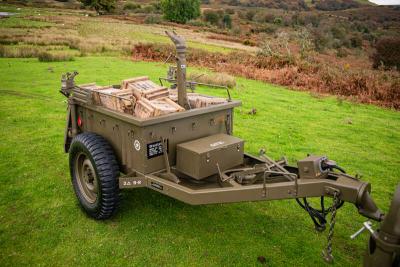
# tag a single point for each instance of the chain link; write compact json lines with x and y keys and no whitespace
{"x":327,"y":254}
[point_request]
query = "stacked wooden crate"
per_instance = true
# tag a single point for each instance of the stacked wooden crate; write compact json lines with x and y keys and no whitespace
{"x":112,"y":98}
{"x":142,"y":87}
{"x":153,"y":100}
{"x":197,"y":100}
{"x":152,"y":108}
{"x":142,"y":98}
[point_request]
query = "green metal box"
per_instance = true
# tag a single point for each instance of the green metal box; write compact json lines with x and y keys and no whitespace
{"x":310,"y":167}
{"x":199,"y":158}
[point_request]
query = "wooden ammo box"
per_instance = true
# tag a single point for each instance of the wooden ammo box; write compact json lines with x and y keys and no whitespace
{"x":142,"y":87}
{"x":199,"y":158}
{"x":157,"y":107}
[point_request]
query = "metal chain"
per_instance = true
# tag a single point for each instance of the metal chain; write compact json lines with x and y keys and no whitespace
{"x":327,"y":254}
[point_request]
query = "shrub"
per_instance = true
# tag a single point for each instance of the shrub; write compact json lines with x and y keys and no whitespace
{"x":263,"y":17}
{"x":152,"y":19}
{"x":331,"y":5}
{"x":227,"y":21}
{"x":51,"y":57}
{"x":320,"y":40}
{"x":197,"y":23}
{"x":387,"y":53}
{"x":218,"y":18}
{"x":236,"y":30}
{"x":278,"y":21}
{"x":230,"y":11}
{"x":268,"y":28}
{"x":2,"y":51}
{"x":148,"y":9}
{"x":132,"y":6}
{"x":342,"y":52}
{"x":338,"y":32}
{"x":249,"y":42}
{"x":356,"y":40}
{"x":180,"y":11}
{"x":100,"y":5}
{"x":157,"y":7}
{"x":250,"y":14}
{"x":211,"y":16}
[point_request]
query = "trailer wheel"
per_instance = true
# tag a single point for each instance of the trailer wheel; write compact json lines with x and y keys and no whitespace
{"x":94,"y":173}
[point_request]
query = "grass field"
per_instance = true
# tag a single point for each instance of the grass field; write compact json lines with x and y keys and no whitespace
{"x":42,"y":225}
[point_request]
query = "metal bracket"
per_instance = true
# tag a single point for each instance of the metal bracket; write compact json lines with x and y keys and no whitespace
{"x":168,"y":175}
{"x":330,"y":191}
{"x":222,"y":177}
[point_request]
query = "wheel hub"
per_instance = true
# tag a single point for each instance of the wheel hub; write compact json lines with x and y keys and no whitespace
{"x":86,"y":178}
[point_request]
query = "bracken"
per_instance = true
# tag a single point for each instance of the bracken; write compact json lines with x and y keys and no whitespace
{"x":365,"y":86}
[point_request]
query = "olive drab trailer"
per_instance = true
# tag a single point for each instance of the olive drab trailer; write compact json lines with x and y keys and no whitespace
{"x":181,"y":144}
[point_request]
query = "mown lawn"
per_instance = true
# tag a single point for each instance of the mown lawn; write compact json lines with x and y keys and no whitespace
{"x":41,"y":223}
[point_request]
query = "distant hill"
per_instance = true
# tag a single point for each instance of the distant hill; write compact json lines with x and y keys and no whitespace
{"x":325,"y":5}
{"x":284,"y":4}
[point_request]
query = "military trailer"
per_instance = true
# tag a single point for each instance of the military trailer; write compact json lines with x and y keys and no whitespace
{"x":116,"y":140}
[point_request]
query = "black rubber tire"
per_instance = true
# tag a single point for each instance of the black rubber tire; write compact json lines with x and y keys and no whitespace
{"x":105,"y":164}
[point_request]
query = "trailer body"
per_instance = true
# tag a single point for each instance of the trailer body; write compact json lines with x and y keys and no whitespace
{"x":193,"y":156}
{"x":138,"y":143}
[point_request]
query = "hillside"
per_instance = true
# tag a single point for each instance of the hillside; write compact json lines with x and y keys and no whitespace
{"x":327,"y":52}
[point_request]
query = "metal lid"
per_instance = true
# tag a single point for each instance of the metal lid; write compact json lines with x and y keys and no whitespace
{"x":211,"y":142}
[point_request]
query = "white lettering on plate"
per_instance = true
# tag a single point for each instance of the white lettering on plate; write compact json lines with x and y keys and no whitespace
{"x":130,"y":183}
{"x":217,"y":143}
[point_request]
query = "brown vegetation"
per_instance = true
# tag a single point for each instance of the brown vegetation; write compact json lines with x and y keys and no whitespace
{"x":19,"y":52}
{"x":366,"y":86}
{"x":387,"y":53}
{"x":51,"y":57}
{"x":221,"y":79}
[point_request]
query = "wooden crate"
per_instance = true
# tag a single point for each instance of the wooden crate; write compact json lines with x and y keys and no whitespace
{"x":205,"y":101}
{"x":96,"y":92}
{"x":196,"y":100}
{"x":112,"y":98}
{"x":125,"y":83}
{"x":164,"y":106}
{"x":173,"y":95}
{"x":152,"y":108}
{"x":107,"y":97}
{"x":142,"y":87}
{"x":90,"y":86}
{"x":125,"y":102}
{"x":143,"y":109}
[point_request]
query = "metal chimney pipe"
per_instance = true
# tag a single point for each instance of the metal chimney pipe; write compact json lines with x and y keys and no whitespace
{"x":180,"y":45}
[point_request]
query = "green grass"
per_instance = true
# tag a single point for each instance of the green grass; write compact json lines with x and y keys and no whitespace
{"x":17,"y":22}
{"x":41,"y":223}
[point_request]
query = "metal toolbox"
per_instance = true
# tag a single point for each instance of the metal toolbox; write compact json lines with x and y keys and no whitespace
{"x":199,"y":158}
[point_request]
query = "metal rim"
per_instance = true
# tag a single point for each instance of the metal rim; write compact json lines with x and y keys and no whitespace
{"x":86,"y":178}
